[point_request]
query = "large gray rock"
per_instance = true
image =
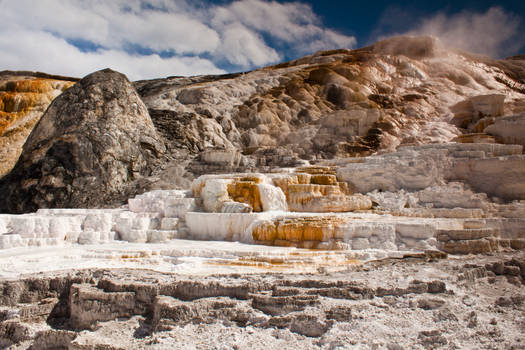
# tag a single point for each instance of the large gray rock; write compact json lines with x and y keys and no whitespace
{"x":93,"y":141}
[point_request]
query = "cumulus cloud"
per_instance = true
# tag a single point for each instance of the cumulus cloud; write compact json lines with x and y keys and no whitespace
{"x":245,"y":48}
{"x":152,"y":38}
{"x":495,"y":32}
{"x":294,"y":25}
{"x":45,"y":52}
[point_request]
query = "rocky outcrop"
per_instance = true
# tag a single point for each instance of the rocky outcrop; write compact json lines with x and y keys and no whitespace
{"x":92,"y":142}
{"x":24,"y":96}
{"x":417,"y":167}
{"x":508,"y":129}
{"x":332,"y":104}
{"x":120,"y":309}
{"x":470,"y":111}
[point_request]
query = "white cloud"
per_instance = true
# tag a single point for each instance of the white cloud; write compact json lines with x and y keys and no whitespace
{"x":293,"y":24}
{"x":44,"y":52}
{"x":495,"y":32}
{"x":112,"y":24}
{"x":245,"y":48}
{"x":183,"y":37}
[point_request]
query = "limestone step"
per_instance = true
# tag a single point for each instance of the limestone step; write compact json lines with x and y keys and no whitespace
{"x":481,"y":246}
{"x":475,"y":138}
{"x":465,"y":234}
{"x":471,"y":246}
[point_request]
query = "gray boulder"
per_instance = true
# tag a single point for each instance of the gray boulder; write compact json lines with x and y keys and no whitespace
{"x":93,"y":142}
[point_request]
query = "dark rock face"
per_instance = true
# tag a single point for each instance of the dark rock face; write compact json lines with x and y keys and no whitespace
{"x":93,"y":141}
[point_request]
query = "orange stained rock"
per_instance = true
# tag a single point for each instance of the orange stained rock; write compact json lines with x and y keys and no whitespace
{"x":19,"y":102}
{"x":18,"y":98}
{"x":254,"y":178}
{"x":246,"y":192}
{"x":298,"y":229}
{"x":314,"y":190}
{"x":323,"y":179}
{"x":475,"y":138}
{"x":302,"y":195}
{"x":35,"y":85}
{"x":266,"y":231}
{"x":318,"y":192}
{"x":285,"y":182}
{"x":196,"y":188}
{"x":304,"y":178}
{"x":305,"y":261}
{"x":22,"y":103}
{"x":345,"y":188}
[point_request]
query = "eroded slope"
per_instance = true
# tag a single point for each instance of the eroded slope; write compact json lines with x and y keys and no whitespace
{"x":24,"y":96}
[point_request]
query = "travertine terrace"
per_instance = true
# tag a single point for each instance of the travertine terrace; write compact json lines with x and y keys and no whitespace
{"x":372,"y":199}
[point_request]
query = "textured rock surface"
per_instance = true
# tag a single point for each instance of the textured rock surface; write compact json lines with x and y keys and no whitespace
{"x":376,"y":212}
{"x":332,"y":104}
{"x":92,"y":142}
{"x":508,"y":129}
{"x":308,"y":207}
{"x":417,"y":302}
{"x":417,"y":167}
{"x":24,"y":96}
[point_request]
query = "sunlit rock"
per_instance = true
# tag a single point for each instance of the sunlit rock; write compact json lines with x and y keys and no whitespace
{"x":82,"y":156}
{"x":272,"y":198}
{"x":508,"y":129}
{"x":222,"y":226}
{"x":474,"y":138}
{"x":416,"y":168}
{"x":23,"y":100}
{"x":468,"y":112}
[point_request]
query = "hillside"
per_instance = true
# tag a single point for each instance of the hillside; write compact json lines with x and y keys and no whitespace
{"x":335,"y":104}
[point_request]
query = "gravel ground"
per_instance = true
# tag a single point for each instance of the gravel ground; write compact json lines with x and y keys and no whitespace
{"x":469,"y":302}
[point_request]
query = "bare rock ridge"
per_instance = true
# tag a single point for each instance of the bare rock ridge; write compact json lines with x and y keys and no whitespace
{"x":92,"y":142}
{"x":330,"y":105}
{"x":339,"y":103}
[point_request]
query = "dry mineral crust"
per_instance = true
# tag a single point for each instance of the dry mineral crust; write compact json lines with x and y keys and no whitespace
{"x":419,"y":302}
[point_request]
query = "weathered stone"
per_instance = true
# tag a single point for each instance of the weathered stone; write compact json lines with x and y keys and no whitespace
{"x":508,"y":129}
{"x":430,"y":304}
{"x":475,"y":246}
{"x":89,"y":305}
{"x":24,"y":96}
{"x":92,"y":142}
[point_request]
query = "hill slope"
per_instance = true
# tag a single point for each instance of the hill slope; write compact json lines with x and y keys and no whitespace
{"x":341,"y":103}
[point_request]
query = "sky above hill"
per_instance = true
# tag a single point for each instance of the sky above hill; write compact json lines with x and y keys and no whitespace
{"x":158,"y":38}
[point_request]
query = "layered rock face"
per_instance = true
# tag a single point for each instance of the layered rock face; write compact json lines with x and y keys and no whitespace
{"x":123,"y":309}
{"x":24,"y":96}
{"x":93,"y":141}
{"x":332,"y":104}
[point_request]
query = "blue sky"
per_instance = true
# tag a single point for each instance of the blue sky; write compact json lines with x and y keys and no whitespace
{"x":157,"y":38}
{"x":367,"y":19}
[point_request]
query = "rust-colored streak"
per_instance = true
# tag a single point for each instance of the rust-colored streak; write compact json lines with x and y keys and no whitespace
{"x":246,"y":192}
{"x":22,"y":103}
